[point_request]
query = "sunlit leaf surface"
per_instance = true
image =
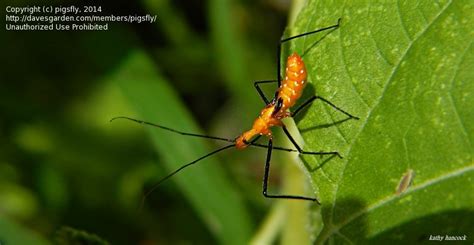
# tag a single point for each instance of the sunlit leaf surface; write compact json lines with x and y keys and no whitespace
{"x":406,"y":69}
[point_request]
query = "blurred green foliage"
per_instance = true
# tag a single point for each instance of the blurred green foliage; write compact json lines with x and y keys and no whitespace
{"x":63,"y":164}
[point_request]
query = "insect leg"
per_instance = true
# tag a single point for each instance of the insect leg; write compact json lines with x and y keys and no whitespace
{"x":266,"y":175}
{"x":293,"y":141}
{"x":312,"y":32}
{"x":259,"y":90}
{"x":294,"y":37}
{"x":307,"y":102}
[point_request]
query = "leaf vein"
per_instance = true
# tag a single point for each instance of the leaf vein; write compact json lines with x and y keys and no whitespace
{"x":337,"y":126}
{"x":343,"y":58}
{"x":395,"y":196}
{"x":379,"y":50}
{"x":453,"y":104}
{"x":404,"y":28}
{"x":390,"y":78}
{"x":421,"y":11}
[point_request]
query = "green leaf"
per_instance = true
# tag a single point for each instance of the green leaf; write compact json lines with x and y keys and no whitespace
{"x":406,"y":68}
{"x":205,"y":186}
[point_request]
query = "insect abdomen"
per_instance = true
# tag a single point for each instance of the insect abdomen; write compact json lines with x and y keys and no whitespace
{"x":292,"y":86}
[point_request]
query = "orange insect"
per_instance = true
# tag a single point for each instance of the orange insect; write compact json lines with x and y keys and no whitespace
{"x":288,"y":93}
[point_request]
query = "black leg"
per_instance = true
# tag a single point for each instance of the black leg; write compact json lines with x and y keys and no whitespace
{"x":259,"y":90}
{"x":266,"y":175}
{"x":293,"y":141}
{"x":294,"y":37}
{"x":312,"y":32}
{"x":306,"y":103}
{"x":325,"y":101}
{"x":291,"y":138}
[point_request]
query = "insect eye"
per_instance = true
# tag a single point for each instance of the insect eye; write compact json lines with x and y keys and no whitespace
{"x":278,"y":106}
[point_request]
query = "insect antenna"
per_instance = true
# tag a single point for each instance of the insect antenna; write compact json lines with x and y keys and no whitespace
{"x":172,"y":130}
{"x":179,"y":169}
{"x":252,"y":143}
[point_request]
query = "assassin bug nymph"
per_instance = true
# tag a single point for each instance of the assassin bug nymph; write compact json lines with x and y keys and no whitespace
{"x":288,"y":92}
